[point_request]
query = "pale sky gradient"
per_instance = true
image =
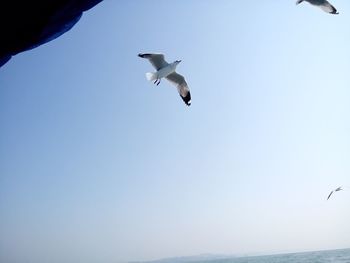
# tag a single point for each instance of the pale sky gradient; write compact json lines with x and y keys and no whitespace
{"x":99,"y":165}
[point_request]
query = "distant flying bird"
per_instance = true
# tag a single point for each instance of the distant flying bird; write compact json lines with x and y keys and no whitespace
{"x":323,"y":4}
{"x":167,"y":70}
{"x":336,"y":190}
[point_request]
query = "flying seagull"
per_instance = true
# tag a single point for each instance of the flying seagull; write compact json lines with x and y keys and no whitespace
{"x":336,"y":190}
{"x":323,"y":4}
{"x":167,"y":70}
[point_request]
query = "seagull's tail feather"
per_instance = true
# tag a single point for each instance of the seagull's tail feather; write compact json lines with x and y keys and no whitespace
{"x":151,"y":76}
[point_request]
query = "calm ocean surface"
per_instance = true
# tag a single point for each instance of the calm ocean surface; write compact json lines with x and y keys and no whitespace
{"x":334,"y":256}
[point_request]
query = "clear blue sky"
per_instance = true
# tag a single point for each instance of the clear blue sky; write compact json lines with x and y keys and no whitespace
{"x":99,"y":165}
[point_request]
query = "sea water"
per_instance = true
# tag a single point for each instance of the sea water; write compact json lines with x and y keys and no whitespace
{"x":329,"y":256}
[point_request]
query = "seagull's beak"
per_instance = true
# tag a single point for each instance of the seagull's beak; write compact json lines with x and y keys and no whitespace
{"x":180,"y":61}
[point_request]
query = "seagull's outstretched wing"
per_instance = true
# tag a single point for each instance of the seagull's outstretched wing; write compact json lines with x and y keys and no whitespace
{"x":329,"y":195}
{"x":157,"y":60}
{"x":181,"y":86}
{"x":338,"y":189}
{"x":327,"y":7}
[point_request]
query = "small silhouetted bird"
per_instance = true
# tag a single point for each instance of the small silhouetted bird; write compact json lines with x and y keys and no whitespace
{"x":336,"y":190}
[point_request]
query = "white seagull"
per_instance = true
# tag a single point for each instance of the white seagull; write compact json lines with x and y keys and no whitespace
{"x":323,"y":4}
{"x":167,"y":70}
{"x":336,"y":190}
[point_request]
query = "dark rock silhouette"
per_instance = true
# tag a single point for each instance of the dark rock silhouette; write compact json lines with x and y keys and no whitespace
{"x":25,"y":24}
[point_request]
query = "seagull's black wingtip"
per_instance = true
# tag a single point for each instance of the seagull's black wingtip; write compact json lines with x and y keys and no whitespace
{"x":187,"y":99}
{"x":144,"y":55}
{"x":334,"y":11}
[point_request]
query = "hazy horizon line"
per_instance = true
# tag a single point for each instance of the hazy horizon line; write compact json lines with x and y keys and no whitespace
{"x":213,"y":256}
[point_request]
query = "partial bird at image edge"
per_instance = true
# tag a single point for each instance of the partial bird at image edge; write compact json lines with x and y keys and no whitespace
{"x":323,"y":4}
